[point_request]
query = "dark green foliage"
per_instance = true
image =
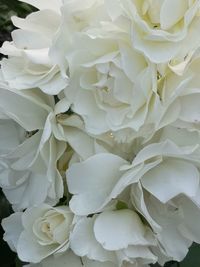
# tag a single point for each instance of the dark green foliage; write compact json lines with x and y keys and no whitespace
{"x":9,"y":8}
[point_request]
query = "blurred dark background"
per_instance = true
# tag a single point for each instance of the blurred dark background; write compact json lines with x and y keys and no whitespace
{"x":9,"y":8}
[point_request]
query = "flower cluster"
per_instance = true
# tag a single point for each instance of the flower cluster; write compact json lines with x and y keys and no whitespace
{"x":100,"y":132}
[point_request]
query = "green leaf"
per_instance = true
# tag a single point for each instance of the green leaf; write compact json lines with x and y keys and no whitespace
{"x":121,"y":205}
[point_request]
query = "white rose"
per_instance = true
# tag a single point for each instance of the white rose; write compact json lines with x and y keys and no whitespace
{"x":117,"y":236}
{"x":170,"y":223}
{"x":111,"y":85}
{"x":37,"y":51}
{"x":29,"y":64}
{"x":171,"y":217}
{"x":76,"y":16}
{"x":29,"y":172}
{"x":158,"y":194}
{"x":161,"y":29}
{"x":163,"y":169}
{"x":45,"y":231}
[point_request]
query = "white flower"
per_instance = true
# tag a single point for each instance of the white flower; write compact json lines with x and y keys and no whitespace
{"x":175,"y":176}
{"x":164,"y":170}
{"x":45,"y":231}
{"x":29,"y":64}
{"x":170,"y":209}
{"x":111,"y":85}
{"x":118,"y":236}
{"x":37,"y":50}
{"x":100,"y":105}
{"x":12,"y":226}
{"x":29,"y":172}
{"x":167,"y":220}
{"x":76,"y":16}
{"x":161,"y":29}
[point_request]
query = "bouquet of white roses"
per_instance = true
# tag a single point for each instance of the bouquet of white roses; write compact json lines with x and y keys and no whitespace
{"x":100,"y":132}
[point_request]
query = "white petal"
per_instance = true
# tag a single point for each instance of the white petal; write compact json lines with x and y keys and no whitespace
{"x":32,"y":191}
{"x":116,"y":230}
{"x":45,"y":4}
{"x":24,"y":39}
{"x":190,"y":110}
{"x":29,"y":250}
{"x":171,"y":178}
{"x":142,"y":253}
{"x":137,"y":197}
{"x":191,"y":214}
{"x":11,"y":135}
{"x":69,"y":259}
{"x":45,"y":22}
{"x":55,"y":85}
{"x":15,"y":105}
{"x":31,"y":214}
{"x":166,"y":148}
{"x":83,"y":242}
{"x":97,"y":174}
{"x":168,"y":217}
{"x":132,"y":62}
{"x":13,"y":228}
{"x":157,"y":52}
{"x":90,"y":263}
{"x":172,"y":12}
